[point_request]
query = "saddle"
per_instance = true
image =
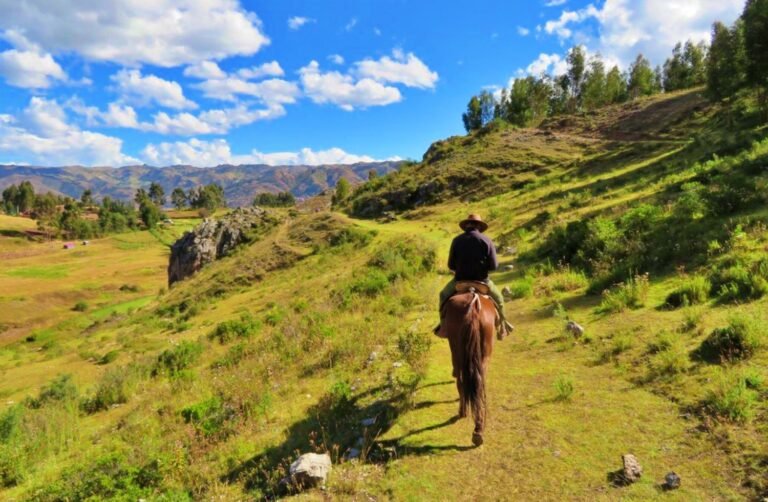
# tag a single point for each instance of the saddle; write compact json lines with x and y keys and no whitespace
{"x":479,"y":287}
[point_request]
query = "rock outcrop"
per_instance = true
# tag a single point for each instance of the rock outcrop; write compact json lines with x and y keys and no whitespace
{"x":211,"y":240}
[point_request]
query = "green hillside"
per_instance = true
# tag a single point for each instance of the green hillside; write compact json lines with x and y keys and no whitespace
{"x":644,"y":222}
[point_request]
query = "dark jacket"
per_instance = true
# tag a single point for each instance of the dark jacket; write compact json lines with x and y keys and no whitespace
{"x":472,"y":256}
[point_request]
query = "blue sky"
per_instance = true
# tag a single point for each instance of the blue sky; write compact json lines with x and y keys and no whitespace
{"x":206,"y":82}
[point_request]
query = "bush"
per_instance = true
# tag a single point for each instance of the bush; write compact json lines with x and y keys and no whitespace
{"x":173,"y":361}
{"x":351,"y":235}
{"x":632,"y":294}
{"x":61,"y":389}
{"x":563,"y":388}
{"x":737,"y":280}
{"x":692,"y":291}
{"x":732,"y":399}
{"x":209,"y":416}
{"x":115,"y":387}
{"x":405,"y":259}
{"x":234,"y":355}
{"x":245,"y":327}
{"x":371,"y":283}
{"x":80,"y":306}
{"x":109,"y":357}
{"x":414,"y":348}
{"x":521,"y":288}
{"x":742,"y":337}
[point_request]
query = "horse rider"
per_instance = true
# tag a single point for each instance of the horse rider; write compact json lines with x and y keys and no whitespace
{"x":472,"y":256}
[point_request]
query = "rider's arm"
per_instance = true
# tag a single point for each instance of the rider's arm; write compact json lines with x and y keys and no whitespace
{"x":493,"y":261}
{"x":452,"y":258}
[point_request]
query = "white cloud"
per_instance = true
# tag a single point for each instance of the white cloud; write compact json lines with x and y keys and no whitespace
{"x":161,"y":32}
{"x":297,"y":22}
{"x":523,"y":31}
{"x":204,"y":70}
{"x":401,"y":68}
{"x":351,"y":24}
{"x":150,"y":89}
{"x":272,"y":91}
{"x":201,"y":153}
{"x":547,"y":63}
{"x":336,"y":59}
{"x":652,"y":27}
{"x":29,"y":69}
{"x":271,"y":69}
{"x":42,"y":135}
{"x":377,"y":32}
{"x":343,"y":90}
{"x":554,"y":3}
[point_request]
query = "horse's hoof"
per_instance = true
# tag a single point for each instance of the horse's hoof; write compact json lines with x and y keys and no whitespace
{"x":477,"y":439}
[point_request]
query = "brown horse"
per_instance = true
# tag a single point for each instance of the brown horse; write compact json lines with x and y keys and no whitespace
{"x":469,"y":322}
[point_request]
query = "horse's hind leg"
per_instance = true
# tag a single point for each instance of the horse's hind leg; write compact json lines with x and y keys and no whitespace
{"x":462,"y":401}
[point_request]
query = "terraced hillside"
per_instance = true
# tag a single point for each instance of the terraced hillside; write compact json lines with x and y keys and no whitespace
{"x":646,"y":224}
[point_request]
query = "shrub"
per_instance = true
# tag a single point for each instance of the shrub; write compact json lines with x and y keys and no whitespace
{"x":692,"y":291}
{"x":80,"y":306}
{"x":742,"y":337}
{"x":209,"y":416}
{"x":234,"y":356}
{"x":351,"y":235}
{"x":173,"y":361}
{"x":275,"y":315}
{"x":671,"y":357}
{"x":633,"y":294}
{"x":245,"y":327}
{"x":61,"y":389}
{"x":564,"y":388}
{"x":414,"y":348}
{"x":521,"y":288}
{"x":371,"y":283}
{"x":737,"y":280}
{"x":405,"y":259}
{"x":109,"y":357}
{"x":115,"y":387}
{"x":732,"y":399}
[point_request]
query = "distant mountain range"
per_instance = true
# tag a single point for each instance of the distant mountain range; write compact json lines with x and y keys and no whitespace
{"x":240,"y":183}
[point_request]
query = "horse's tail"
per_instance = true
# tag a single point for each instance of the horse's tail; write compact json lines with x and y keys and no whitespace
{"x":472,"y":383}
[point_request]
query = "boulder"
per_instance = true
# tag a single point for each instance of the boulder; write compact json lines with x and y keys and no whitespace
{"x":211,"y":240}
{"x":309,"y":470}
{"x":632,"y":470}
{"x":574,"y":328}
{"x":671,"y":481}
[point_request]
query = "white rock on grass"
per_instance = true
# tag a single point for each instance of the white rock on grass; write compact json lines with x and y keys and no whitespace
{"x":310,"y":470}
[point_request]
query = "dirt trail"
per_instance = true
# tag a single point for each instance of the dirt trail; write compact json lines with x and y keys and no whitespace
{"x":538,"y":448}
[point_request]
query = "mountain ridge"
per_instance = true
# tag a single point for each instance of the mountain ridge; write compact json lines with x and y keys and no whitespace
{"x":240,"y":182}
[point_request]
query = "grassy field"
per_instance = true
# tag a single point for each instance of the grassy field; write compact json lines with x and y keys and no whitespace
{"x":208,"y":390}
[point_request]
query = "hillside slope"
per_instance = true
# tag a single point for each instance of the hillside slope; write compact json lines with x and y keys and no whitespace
{"x":286,"y":347}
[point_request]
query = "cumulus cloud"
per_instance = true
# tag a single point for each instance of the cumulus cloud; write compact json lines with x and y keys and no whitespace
{"x":552,"y":64}
{"x":161,"y":32}
{"x":29,"y":69}
{"x":554,"y":3}
{"x":271,"y":91}
{"x":204,"y":70}
{"x":150,"y":89}
{"x":622,"y":29}
{"x":344,"y":90}
{"x":271,"y":69}
{"x":523,"y":31}
{"x":297,"y":22}
{"x":42,"y":135}
{"x":336,"y":59}
{"x":401,"y":68}
{"x":215,"y":121}
{"x":201,"y":153}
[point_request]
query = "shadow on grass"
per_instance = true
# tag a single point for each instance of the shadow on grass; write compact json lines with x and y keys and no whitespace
{"x":340,"y":425}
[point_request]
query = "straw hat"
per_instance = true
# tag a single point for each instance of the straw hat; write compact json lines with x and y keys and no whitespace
{"x":476,"y":220}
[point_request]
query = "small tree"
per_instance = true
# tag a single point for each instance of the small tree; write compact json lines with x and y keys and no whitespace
{"x":473,"y":117}
{"x":179,"y":198}
{"x":593,"y":92}
{"x":87,"y":197}
{"x":157,"y":194}
{"x":642,"y":80}
{"x":342,"y":191}
{"x":615,"y":86}
{"x":755,"y":19}
{"x":726,"y":63}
